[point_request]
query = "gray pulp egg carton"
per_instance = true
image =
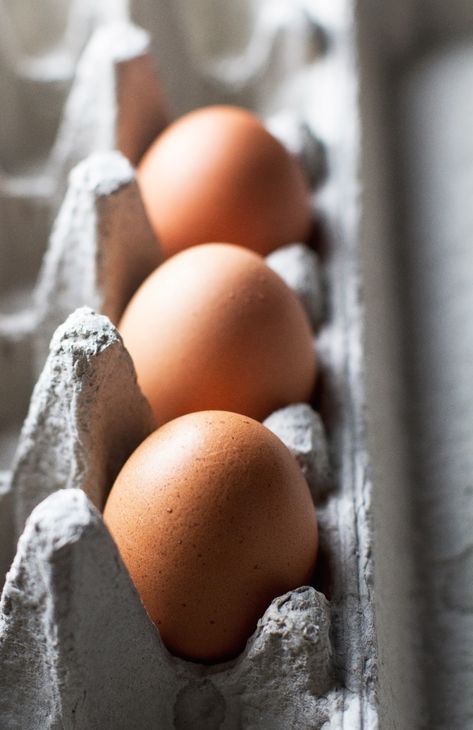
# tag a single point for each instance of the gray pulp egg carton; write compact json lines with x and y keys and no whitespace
{"x":76,"y":646}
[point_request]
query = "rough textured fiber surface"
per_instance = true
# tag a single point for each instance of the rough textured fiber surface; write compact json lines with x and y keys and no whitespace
{"x":302,"y":430}
{"x":288,"y":676}
{"x":70,"y":437}
{"x":95,"y":659}
{"x":299,"y":266}
{"x":101,"y":247}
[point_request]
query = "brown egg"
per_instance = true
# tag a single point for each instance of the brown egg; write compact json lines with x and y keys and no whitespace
{"x":217,"y":174}
{"x":214,"y":328}
{"x":213,"y":519}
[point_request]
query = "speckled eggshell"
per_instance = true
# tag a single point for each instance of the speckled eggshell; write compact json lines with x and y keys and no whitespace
{"x":214,"y":328}
{"x":217,"y":174}
{"x":213,"y":519}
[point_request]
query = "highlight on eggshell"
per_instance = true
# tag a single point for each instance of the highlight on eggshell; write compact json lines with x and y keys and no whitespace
{"x":214,"y":328}
{"x":217,"y":174}
{"x":213,"y":518}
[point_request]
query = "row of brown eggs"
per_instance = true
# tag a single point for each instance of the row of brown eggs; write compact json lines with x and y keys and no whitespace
{"x":211,"y":514}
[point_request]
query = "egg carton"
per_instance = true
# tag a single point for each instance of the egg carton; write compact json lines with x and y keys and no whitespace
{"x":77,"y":648}
{"x":72,"y":437}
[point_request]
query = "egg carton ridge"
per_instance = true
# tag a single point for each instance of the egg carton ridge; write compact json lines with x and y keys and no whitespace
{"x":114,"y":101}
